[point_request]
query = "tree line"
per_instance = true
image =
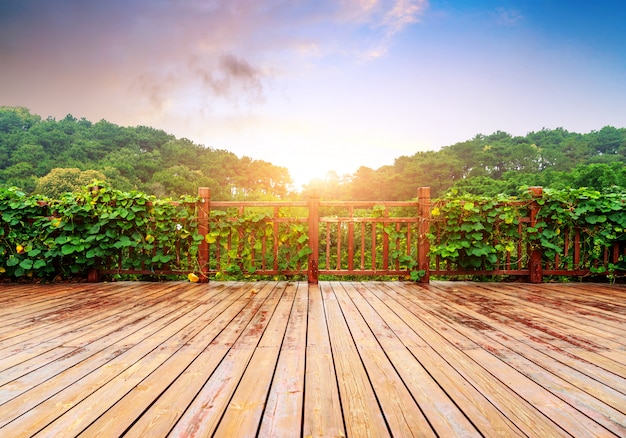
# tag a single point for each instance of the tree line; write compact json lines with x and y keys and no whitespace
{"x":488,"y":165}
{"x":53,"y":156}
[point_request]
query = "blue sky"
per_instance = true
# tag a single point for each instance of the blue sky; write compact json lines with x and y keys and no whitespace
{"x":319,"y":85}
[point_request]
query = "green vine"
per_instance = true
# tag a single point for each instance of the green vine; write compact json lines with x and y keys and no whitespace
{"x":96,"y":227}
{"x":105,"y":229}
{"x":479,"y":233}
{"x":243,"y":242}
{"x":474,"y":232}
{"x":598,"y":219}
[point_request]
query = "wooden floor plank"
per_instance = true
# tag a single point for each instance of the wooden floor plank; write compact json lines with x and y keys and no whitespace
{"x":322,"y":407}
{"x":361,"y":411}
{"x":608,"y":387}
{"x":244,"y":411}
{"x":83,"y":330}
{"x":402,"y":413}
{"x":203,"y":415}
{"x":427,"y":348}
{"x":133,"y":403}
{"x":292,"y":359}
{"x":590,"y":348}
{"x":282,"y":415}
{"x":532,"y":381}
{"x":165,"y":413}
{"x":67,"y":398}
{"x":108,"y":342}
{"x":101,"y":401}
{"x":456,"y":349}
{"x":441,"y":412}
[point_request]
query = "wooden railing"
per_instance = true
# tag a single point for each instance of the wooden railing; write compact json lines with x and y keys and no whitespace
{"x":341,"y":238}
{"x":358,"y":238}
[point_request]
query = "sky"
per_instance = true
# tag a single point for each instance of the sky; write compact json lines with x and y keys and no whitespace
{"x":319,"y":86}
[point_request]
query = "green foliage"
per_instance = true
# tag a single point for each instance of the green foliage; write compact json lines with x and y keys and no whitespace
{"x":488,"y":165}
{"x":599,"y":220}
{"x":243,"y":243}
{"x":60,"y":181}
{"x":100,"y":227}
{"x":96,"y":227}
{"x":131,"y":158}
{"x":152,"y":161}
{"x":473,"y":232}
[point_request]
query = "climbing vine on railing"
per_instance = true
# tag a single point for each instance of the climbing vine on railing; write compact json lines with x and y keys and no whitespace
{"x":599,"y":220}
{"x":476,"y":232}
{"x":559,"y":232}
{"x":481,"y":233}
{"x":97,"y":227}
{"x":245,"y":243}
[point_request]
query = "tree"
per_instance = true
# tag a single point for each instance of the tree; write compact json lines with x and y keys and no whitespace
{"x":16,"y":119}
{"x":60,"y":181}
{"x":21,"y":175}
{"x":34,"y":155}
{"x":608,"y":140}
{"x":179,"y":180}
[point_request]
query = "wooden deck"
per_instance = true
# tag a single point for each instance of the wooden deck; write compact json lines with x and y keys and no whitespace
{"x":292,"y":359}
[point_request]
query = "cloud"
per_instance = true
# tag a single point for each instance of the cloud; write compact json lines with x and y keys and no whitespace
{"x":227,"y":74}
{"x":389,"y":17}
{"x":403,"y":13}
{"x":507,"y":17}
{"x":138,"y":56}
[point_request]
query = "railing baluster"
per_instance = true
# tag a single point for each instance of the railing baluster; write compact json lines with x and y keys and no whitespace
{"x":339,"y":245}
{"x":362,"y":245}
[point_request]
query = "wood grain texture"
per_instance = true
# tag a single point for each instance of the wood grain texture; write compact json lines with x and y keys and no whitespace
{"x":275,"y":359}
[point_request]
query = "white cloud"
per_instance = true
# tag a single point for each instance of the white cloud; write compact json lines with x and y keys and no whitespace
{"x":403,"y":13}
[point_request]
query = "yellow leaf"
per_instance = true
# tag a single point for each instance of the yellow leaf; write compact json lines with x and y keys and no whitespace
{"x":193,"y":277}
{"x":19,"y":249}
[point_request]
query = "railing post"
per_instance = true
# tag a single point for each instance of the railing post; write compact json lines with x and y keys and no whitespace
{"x":535,"y":267}
{"x":423,"y":249}
{"x":314,"y":219}
{"x":204,"y":206}
{"x":93,"y":276}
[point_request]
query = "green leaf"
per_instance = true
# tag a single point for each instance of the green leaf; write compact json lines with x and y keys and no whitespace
{"x":304,"y":252}
{"x":34,"y":253}
{"x":123,"y":242}
{"x":26,"y":264}
{"x":161,"y":258}
{"x":67,"y":249}
{"x":594,"y":219}
{"x":477,"y":236}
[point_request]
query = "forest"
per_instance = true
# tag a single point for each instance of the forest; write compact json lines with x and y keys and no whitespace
{"x":51,"y":157}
